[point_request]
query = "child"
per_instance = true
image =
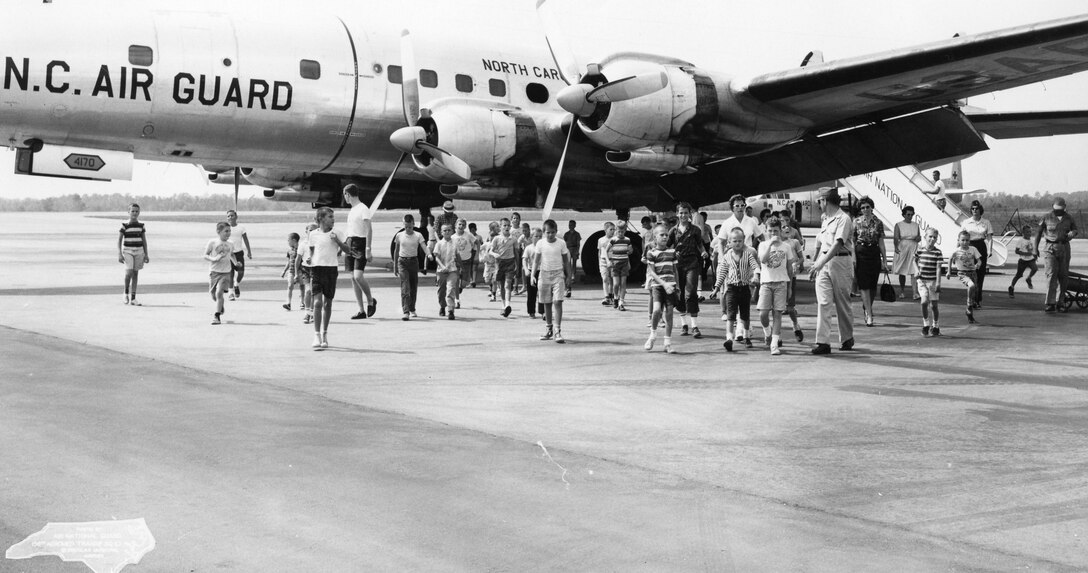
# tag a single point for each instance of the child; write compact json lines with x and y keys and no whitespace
{"x":928,"y":260}
{"x":219,"y":253}
{"x":290,"y":269}
{"x":477,"y":248}
{"x":550,"y":263}
{"x":1025,"y":249}
{"x":447,"y":260}
{"x":466,"y":255}
{"x":661,"y":274}
{"x":406,"y":246}
{"x":240,"y":240}
{"x":737,"y":270}
{"x":528,"y":255}
{"x":775,"y":259}
{"x":525,"y":236}
{"x":504,"y":248}
{"x":573,"y":239}
{"x":305,"y":275}
{"x":793,"y":241}
{"x":965,"y":260}
{"x":603,"y":263}
{"x":491,"y":266}
{"x":132,"y":252}
{"x":619,"y":251}
{"x":325,"y":244}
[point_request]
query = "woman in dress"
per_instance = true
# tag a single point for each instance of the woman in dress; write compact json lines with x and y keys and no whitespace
{"x":982,"y":236}
{"x":905,"y":237}
{"x":868,"y":255}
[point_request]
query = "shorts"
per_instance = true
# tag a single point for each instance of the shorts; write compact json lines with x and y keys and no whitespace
{"x":238,"y":261}
{"x":490,"y":269}
{"x":134,"y":258}
{"x":304,"y":275}
{"x":218,"y":282}
{"x":927,"y":290}
{"x":621,"y":268}
{"x":351,"y":263}
{"x":772,"y":296}
{"x":324,"y":281}
{"x":666,"y":299}
{"x":506,"y":269}
{"x":1022,"y":265}
{"x":738,"y":299}
{"x":606,"y":271}
{"x":968,"y":278}
{"x":551,"y":287}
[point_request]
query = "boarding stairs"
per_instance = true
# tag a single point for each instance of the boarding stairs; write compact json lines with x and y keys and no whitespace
{"x":893,"y":189}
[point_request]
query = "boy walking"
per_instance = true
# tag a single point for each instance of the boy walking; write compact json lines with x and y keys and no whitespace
{"x":549,"y":273}
{"x":290,"y":269}
{"x":325,"y":243}
{"x":738,"y":270}
{"x":447,"y":264}
{"x":406,"y":246}
{"x":928,"y":260}
{"x":775,"y":258}
{"x":504,"y":247}
{"x":573,"y":239}
{"x":603,"y":263}
{"x":619,"y":252}
{"x":661,"y":277}
{"x":219,"y":253}
{"x":132,"y":252}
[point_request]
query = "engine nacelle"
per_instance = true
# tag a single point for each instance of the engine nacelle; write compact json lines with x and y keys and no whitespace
{"x":473,"y":192}
{"x":480,"y":133}
{"x":225,"y":178}
{"x":697,"y":108}
{"x":303,"y":194}
{"x":655,"y":159}
{"x":273,"y":177}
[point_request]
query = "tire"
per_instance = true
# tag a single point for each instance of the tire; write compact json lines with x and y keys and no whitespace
{"x":592,"y":270}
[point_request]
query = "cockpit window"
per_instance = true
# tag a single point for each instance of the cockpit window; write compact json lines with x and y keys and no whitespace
{"x":140,"y":55}
{"x":309,"y":69}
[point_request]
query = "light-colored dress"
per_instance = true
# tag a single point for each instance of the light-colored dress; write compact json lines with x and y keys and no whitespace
{"x":903,"y":263}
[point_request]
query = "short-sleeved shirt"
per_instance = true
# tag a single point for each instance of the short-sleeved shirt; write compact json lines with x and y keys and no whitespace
{"x":663,"y":262}
{"x":359,"y":221}
{"x":551,"y":254}
{"x":621,"y":248}
{"x":602,"y":248}
{"x":292,"y":254}
{"x":325,"y":247}
{"x":979,"y":229}
{"x":737,"y":269}
{"x":409,"y":244}
{"x":834,"y":228}
{"x":236,"y":234}
{"x":749,"y":225}
{"x":868,"y":233}
{"x":465,"y":245}
{"x":1025,"y":245}
{"x":134,"y":235}
{"x":1056,"y":229}
{"x":504,"y":248}
{"x":966,"y":259}
{"x":779,"y":258}
{"x":929,"y":262}
{"x":573,"y":240}
{"x":687,"y":244}
{"x":445,"y":255}
{"x":217,"y":246}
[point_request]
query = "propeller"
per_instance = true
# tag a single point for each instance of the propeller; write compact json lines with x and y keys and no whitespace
{"x":417,"y":137}
{"x":586,"y":91}
{"x":237,"y":182}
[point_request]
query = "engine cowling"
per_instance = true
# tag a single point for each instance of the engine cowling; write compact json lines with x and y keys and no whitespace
{"x":480,"y":133}
{"x":275,"y":178}
{"x":303,"y":194}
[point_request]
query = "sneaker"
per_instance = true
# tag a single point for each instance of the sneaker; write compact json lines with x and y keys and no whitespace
{"x":237,"y":292}
{"x":902,"y":295}
{"x":559,"y":337}
{"x":822,"y":349}
{"x":668,"y":348}
{"x":568,"y":293}
{"x":649,"y":343}
{"x":725,"y":317}
{"x":491,"y":297}
{"x":728,"y":345}
{"x":847,"y":344}
{"x":622,"y":307}
{"x":472,"y":285}
{"x":1011,"y":293}
{"x":739,"y":338}
{"x":748,"y":342}
{"x":799,"y":335}
{"x":414,"y":315}
{"x":532,"y":315}
{"x":935,"y":331}
{"x":616,"y":304}
{"x":308,"y":319}
{"x":775,"y":351}
{"x":684,"y":330}
{"x":1031,"y":286}
{"x":230,"y":296}
{"x":287,"y":307}
{"x":1049,"y":308}
{"x":215,"y":318}
{"x":442,"y":311}
{"x":767,"y":341}
{"x":135,"y":302}
{"x":357,"y":316}
{"x":324,"y":340}
{"x":925,"y":331}
{"x":506,"y":311}
{"x":372,"y":307}
{"x":695,"y":333}
{"x":317,"y":342}
{"x":970,"y":316}
{"x":405,"y":317}
{"x":457,"y":305}
{"x":547,"y":334}
{"x":450,"y":316}
{"x":606,"y":301}
{"x":126,"y":299}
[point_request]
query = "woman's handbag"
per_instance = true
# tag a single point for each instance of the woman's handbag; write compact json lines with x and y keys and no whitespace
{"x":887,"y":291}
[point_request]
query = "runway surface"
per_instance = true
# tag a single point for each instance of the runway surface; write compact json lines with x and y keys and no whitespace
{"x":470,"y":445}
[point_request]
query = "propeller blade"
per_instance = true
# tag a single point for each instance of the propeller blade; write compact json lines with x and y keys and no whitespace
{"x":448,"y":161}
{"x":629,"y":88}
{"x":558,"y":45}
{"x":409,"y":83}
{"x":554,"y":190}
{"x":407,"y":139}
{"x":381,"y":194}
{"x":237,"y":182}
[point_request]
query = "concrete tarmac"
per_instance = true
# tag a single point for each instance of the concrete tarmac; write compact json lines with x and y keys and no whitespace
{"x":470,"y":445}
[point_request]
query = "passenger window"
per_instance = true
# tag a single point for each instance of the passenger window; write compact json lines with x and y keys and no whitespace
{"x":463,"y":83}
{"x":428,"y":78}
{"x":309,"y":69}
{"x":394,"y":74}
{"x":497,"y":88}
{"x":537,"y":93}
{"x":140,"y":55}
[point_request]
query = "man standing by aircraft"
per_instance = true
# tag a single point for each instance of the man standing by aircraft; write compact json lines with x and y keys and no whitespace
{"x":1058,"y":228}
{"x":360,"y":239}
{"x":832,"y":272}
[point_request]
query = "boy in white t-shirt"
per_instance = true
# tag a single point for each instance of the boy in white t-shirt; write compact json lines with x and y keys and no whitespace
{"x":775,"y":258}
{"x":1026,"y":250}
{"x":604,"y":264}
{"x":219,"y":253}
{"x":325,"y":245}
{"x":551,"y":263}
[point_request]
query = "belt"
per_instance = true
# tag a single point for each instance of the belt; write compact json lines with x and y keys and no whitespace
{"x":841,"y":254}
{"x":1057,"y":242}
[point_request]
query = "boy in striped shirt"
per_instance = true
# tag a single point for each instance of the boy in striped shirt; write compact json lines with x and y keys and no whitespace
{"x":661,"y":275}
{"x":928,"y":260}
{"x":132,"y":251}
{"x":738,"y":269}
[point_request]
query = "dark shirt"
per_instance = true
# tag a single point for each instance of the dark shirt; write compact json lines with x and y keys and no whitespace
{"x":687,"y":245}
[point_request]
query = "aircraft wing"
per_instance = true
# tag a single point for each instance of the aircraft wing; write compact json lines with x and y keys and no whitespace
{"x":1012,"y":125}
{"x":849,"y":92}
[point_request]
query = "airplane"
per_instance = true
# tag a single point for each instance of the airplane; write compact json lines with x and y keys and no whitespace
{"x":524,"y":125}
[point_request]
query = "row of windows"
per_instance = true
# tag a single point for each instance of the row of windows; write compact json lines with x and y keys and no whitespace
{"x":311,"y":70}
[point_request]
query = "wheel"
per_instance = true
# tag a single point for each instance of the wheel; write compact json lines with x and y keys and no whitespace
{"x":1068,"y":302}
{"x":1082,"y":300}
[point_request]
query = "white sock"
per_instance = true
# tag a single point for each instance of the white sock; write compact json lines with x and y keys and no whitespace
{"x":774,"y":340}
{"x":694,"y":320}
{"x":653,"y":334}
{"x":668,"y":340}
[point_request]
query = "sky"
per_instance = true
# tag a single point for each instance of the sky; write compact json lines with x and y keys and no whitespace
{"x":741,"y":38}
